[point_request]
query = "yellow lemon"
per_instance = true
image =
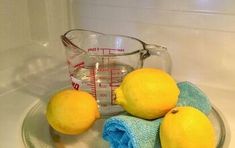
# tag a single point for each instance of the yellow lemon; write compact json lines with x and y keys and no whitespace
{"x":71,"y":111}
{"x":187,"y":127}
{"x":147,"y":93}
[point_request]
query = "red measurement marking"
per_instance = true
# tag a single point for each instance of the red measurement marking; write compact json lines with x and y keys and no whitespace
{"x":79,"y":65}
{"x":103,"y":78}
{"x":93,"y":85}
{"x":101,"y":85}
{"x":108,"y":49}
{"x":116,"y":69}
{"x":111,"y":87}
{"x":107,"y":78}
{"x":114,"y":85}
{"x":103,"y":69}
{"x":91,"y":49}
{"x":103,"y":95}
{"x":75,"y":85}
{"x":108,"y":69}
{"x":90,"y":84}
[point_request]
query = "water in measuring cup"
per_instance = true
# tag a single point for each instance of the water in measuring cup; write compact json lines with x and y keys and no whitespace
{"x":101,"y":81}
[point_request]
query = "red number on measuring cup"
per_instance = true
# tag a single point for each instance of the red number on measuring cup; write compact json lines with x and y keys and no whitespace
{"x":75,"y":86}
{"x":75,"y":82}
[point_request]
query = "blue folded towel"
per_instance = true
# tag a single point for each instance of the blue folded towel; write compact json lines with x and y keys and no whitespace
{"x":126,"y":131}
{"x":191,"y":95}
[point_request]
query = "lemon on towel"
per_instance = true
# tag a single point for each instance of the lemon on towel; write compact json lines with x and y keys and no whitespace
{"x":187,"y":127}
{"x":147,"y":93}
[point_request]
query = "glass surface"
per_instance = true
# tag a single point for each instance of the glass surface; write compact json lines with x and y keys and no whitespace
{"x":36,"y":132}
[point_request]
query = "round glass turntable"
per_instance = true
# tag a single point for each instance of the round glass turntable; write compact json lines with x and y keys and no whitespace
{"x":36,"y":133}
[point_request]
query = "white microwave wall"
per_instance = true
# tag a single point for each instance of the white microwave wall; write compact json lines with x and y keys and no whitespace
{"x":199,"y":34}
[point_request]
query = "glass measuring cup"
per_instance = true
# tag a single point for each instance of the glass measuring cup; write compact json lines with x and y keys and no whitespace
{"x":98,"y":62}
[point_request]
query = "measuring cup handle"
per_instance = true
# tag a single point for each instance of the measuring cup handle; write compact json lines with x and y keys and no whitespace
{"x":163,"y":56}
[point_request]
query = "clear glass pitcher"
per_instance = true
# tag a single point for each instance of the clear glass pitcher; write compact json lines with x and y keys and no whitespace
{"x":98,"y":62}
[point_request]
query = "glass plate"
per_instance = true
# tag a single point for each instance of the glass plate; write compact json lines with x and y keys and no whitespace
{"x":36,"y":132}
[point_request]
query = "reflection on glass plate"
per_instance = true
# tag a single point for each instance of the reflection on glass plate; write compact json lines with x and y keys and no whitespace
{"x":36,"y":132}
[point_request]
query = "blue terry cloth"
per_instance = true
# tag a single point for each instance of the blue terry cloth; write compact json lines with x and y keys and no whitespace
{"x":126,"y":131}
{"x":191,"y":95}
